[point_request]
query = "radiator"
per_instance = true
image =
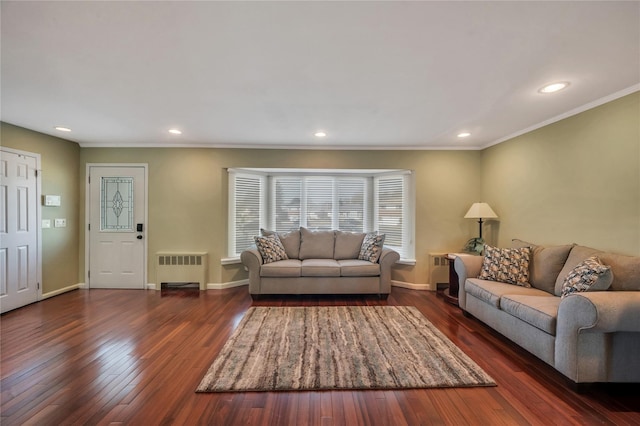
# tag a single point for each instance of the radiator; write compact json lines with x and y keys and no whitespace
{"x":438,"y":269}
{"x":181,"y":268}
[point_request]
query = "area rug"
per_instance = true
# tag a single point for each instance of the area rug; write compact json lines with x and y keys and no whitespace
{"x":339,"y":347}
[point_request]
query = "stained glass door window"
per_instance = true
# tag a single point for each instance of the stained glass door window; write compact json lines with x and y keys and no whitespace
{"x":116,"y":204}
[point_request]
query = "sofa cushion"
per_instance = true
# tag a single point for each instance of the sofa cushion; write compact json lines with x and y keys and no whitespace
{"x":577,"y":255}
{"x":270,"y":248}
{"x":509,"y":266}
{"x":625,"y":269}
{"x":545,"y":263}
{"x":490,"y":292}
{"x":588,"y":275}
{"x":348,"y":245}
{"x":316,"y":244}
{"x":539,"y":311}
{"x":371,"y":248}
{"x":290,"y":240}
{"x":358,"y":268}
{"x":282,"y":268}
{"x":320,"y":268}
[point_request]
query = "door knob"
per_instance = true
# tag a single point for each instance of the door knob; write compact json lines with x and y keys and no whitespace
{"x":139,"y":237}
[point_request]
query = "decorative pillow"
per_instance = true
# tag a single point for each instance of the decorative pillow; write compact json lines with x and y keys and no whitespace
{"x":588,"y":275}
{"x":576,"y":256}
{"x":509,"y":266}
{"x":271,"y":248}
{"x":290,"y":240}
{"x":371,"y":248}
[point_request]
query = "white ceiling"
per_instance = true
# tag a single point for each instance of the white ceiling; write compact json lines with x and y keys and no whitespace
{"x":373,"y":75}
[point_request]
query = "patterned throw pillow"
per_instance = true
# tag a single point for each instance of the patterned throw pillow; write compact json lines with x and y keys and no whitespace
{"x":588,"y":275}
{"x":271,"y":248}
{"x":509,"y":266}
{"x":371,"y":247}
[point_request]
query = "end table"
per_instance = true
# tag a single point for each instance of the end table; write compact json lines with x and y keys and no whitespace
{"x":451,"y":294}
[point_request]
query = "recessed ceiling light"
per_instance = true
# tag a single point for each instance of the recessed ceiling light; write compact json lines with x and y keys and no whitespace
{"x":553,"y":87}
{"x":175,"y":132}
{"x":320,"y":134}
{"x":63,"y":129}
{"x":464,"y":134}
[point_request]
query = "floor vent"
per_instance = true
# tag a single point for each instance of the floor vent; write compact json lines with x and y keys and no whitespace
{"x":176,"y":269}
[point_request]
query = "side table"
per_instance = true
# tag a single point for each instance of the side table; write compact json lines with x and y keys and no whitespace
{"x":451,"y":294}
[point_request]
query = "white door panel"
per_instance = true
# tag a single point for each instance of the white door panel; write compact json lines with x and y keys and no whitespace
{"x":19,"y":254}
{"x":117,"y":205}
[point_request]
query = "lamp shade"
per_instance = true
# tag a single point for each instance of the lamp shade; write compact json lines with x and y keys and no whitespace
{"x":480,"y":211}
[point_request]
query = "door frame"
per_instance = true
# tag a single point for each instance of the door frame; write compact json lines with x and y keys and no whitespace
{"x":38,"y":212}
{"x":87,"y":217}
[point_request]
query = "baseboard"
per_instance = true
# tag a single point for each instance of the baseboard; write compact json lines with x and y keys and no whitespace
{"x":412,"y":286}
{"x":151,"y":286}
{"x":62,"y":290}
{"x":220,"y":286}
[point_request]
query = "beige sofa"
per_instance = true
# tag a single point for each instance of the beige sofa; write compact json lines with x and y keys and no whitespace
{"x":589,"y":337}
{"x":320,"y":262}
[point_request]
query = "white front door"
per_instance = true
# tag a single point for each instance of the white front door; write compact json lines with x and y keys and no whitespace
{"x":19,"y":254}
{"x":117,"y":228}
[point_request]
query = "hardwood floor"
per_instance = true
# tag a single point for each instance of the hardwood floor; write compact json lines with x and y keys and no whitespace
{"x":136,"y":357}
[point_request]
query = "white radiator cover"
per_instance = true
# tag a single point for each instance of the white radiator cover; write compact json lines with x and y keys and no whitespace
{"x":172,"y":267}
{"x":438,"y":268}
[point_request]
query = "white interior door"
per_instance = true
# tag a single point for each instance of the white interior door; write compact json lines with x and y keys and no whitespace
{"x":19,"y":254}
{"x":117,"y":228}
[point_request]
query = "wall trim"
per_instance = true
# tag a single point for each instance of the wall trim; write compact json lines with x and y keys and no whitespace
{"x":570,"y":113}
{"x":221,"y":286}
{"x":62,"y":290}
{"x":412,"y":286}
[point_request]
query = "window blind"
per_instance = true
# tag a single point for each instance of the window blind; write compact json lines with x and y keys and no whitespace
{"x":376,"y":202}
{"x":246,"y":208}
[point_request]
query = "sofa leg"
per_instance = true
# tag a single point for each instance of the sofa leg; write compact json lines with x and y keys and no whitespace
{"x":256,"y":297}
{"x":383,"y":296}
{"x":466,"y":314}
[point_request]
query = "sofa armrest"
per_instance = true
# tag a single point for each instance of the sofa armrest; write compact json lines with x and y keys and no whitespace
{"x":584,"y":322}
{"x":387,"y":258}
{"x":600,"y":311}
{"x":252,"y":260}
{"x":466,"y":266}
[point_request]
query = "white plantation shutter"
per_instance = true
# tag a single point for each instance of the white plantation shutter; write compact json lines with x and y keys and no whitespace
{"x":368,"y":202}
{"x":245,"y":211}
{"x":352,"y":198}
{"x":393,"y":213}
{"x":286,"y":205}
{"x":319,"y":203}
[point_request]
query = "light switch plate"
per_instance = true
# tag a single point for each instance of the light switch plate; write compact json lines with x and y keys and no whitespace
{"x":46,"y":223}
{"x":60,"y":223}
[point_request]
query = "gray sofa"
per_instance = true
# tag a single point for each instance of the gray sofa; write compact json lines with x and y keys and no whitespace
{"x":320,"y":262}
{"x":589,"y":337}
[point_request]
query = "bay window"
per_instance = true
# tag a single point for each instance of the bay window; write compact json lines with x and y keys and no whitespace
{"x":348,"y":200}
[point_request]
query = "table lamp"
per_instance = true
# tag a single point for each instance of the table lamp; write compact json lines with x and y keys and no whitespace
{"x":478,"y":211}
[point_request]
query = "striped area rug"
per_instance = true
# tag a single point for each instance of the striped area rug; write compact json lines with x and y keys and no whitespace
{"x":339,"y":347}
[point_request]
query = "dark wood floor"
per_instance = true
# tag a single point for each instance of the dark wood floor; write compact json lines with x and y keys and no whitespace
{"x":136,"y":357}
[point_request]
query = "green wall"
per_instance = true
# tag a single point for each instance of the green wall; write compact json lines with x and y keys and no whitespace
{"x":577,"y":180}
{"x":60,"y":161}
{"x":188,"y":196}
{"x":574,"y":181}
